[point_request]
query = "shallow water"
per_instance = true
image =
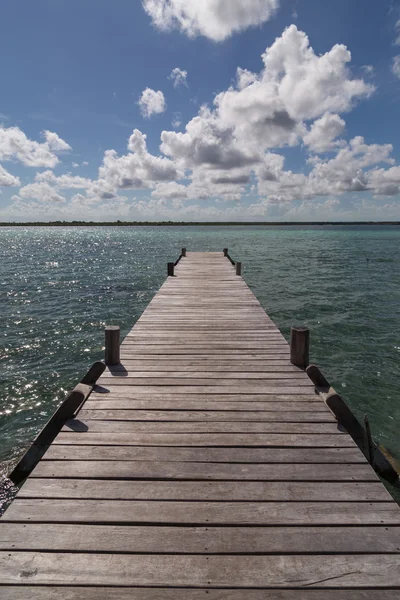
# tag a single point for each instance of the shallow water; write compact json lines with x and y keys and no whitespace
{"x":61,"y":286}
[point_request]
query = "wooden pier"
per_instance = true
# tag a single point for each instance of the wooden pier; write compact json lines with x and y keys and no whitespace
{"x":203,"y":466}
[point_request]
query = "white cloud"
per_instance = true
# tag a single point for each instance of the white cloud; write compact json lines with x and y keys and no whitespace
{"x":85,"y":163}
{"x":177,"y":120}
{"x":135,"y":170}
{"x":214,"y":19}
{"x":8,"y":180}
{"x":397,"y":29}
{"x":368,"y":69}
{"x":40,"y":191}
{"x":269,"y":110}
{"x":15,"y":145}
{"x":396,"y":66}
{"x":323,"y":133}
{"x":151,"y":103}
{"x":75,"y":165}
{"x":232,"y":150}
{"x":66,"y":181}
{"x":178,"y":77}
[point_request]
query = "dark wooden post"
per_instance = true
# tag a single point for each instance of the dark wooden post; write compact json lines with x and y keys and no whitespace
{"x":171,"y":269}
{"x":238,"y":268}
{"x":225,"y":251}
{"x":112,"y":345}
{"x":183,"y":251}
{"x":299,"y":347}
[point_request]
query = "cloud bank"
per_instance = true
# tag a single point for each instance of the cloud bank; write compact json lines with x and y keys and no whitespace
{"x":231,"y":154}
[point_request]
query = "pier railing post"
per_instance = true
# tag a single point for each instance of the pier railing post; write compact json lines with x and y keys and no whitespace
{"x":300,"y":347}
{"x":112,"y":345}
{"x":183,"y":251}
{"x":225,"y":251}
{"x":171,"y":269}
{"x":238,"y":268}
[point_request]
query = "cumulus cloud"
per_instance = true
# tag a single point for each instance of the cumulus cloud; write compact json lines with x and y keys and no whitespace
{"x":178,"y":77}
{"x":214,"y":19}
{"x":6,"y":179}
{"x":152,"y":103}
{"x":135,"y":170}
{"x":40,"y":191}
{"x":292,"y":98}
{"x":66,"y":181}
{"x":15,"y":145}
{"x":396,"y":66}
{"x":323,"y":133}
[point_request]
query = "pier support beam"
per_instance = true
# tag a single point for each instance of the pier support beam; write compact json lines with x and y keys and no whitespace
{"x":238,"y":268}
{"x":183,"y":251}
{"x":171,"y":269}
{"x":112,"y":345}
{"x":300,"y":347}
{"x":225,"y":251}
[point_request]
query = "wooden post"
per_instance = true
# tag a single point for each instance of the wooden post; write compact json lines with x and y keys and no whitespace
{"x":183,"y":251}
{"x":238,"y":268}
{"x":112,"y":345}
{"x":171,"y":269}
{"x":299,"y":347}
{"x":225,"y":251}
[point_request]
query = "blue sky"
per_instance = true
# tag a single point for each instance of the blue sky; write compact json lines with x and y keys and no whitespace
{"x":94,"y":126}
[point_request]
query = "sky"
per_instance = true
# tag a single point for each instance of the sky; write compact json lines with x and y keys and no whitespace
{"x":200,"y":110}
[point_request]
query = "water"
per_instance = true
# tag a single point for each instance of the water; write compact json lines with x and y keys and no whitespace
{"x":61,"y":286}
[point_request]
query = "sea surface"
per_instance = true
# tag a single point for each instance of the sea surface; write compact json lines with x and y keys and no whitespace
{"x":60,"y":286}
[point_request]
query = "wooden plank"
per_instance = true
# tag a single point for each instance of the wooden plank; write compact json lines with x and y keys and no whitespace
{"x":206,"y":439}
{"x":128,"y":391}
{"x":223,"y":455}
{"x":204,"y":363}
{"x":113,"y":376}
{"x":203,"y":513}
{"x":129,"y":593}
{"x":97,"y":469}
{"x":97,"y":426}
{"x":349,"y":571}
{"x":211,"y":491}
{"x":215,"y":415}
{"x":198,"y":540}
{"x":216,"y":404}
{"x":104,"y":395}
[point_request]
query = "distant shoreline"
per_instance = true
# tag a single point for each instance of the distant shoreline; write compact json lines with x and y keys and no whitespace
{"x":190,"y":224}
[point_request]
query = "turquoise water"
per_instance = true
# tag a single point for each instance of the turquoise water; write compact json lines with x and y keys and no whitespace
{"x":61,"y":286}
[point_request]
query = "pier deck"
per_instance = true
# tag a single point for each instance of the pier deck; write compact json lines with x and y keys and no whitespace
{"x":205,"y":466}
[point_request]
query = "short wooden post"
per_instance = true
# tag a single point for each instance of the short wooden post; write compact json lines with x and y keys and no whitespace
{"x":112,"y":345}
{"x":183,"y":251}
{"x":171,"y":269}
{"x":225,"y":251}
{"x":300,"y":347}
{"x":238,"y":268}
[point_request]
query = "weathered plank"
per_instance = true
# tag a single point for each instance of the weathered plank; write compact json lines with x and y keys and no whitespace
{"x":198,"y":540}
{"x":215,"y":415}
{"x":349,"y":571}
{"x":97,"y":426}
{"x":129,"y":593}
{"x":282,"y":491}
{"x":205,"y":454}
{"x":203,"y":513}
{"x":97,"y":469}
{"x":207,"y":439}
